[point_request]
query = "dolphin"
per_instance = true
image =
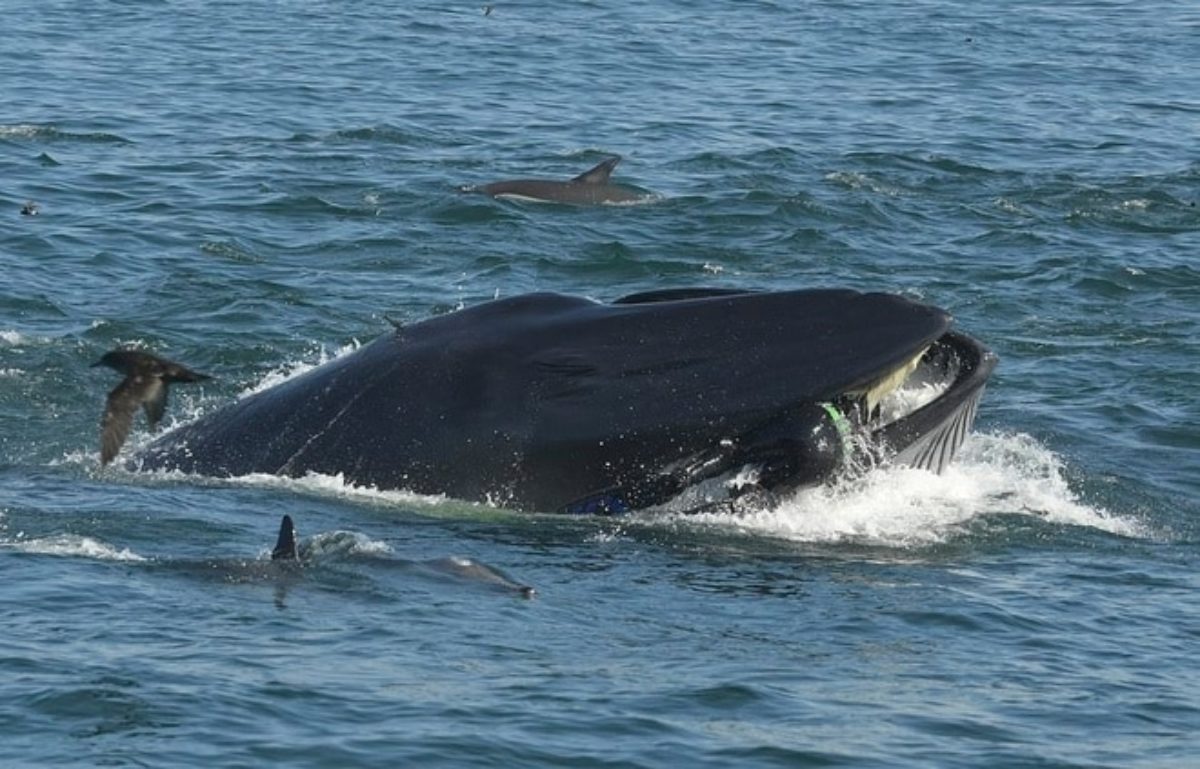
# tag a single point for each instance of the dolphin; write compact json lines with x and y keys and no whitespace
{"x":287,"y":552}
{"x":553,"y":403}
{"x":283,"y":570}
{"x":592,"y":187}
{"x":145,"y":384}
{"x":475,"y":572}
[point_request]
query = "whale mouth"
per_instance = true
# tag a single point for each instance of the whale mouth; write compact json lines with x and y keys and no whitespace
{"x":870,"y":398}
{"x":917,"y":414}
{"x":924,"y":421}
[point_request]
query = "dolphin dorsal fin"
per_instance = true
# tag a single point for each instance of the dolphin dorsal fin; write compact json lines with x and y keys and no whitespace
{"x":285,"y":546}
{"x":599,"y":174}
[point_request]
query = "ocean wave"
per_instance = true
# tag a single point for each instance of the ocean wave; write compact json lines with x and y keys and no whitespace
{"x":70,"y":545}
{"x":19,"y":339}
{"x":341,"y":544}
{"x":40,"y":132}
{"x":336,"y":486}
{"x":316,"y":484}
{"x":387,"y":134}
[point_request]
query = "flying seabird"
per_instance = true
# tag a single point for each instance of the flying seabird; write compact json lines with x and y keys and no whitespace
{"x":145,"y":385}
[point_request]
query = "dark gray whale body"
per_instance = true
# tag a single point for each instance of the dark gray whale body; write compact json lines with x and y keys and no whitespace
{"x":592,"y":187}
{"x":556,"y":403}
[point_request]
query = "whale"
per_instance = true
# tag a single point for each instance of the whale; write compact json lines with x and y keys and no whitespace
{"x":592,"y":187}
{"x":547,"y":402}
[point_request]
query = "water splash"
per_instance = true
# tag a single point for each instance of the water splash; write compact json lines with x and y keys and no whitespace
{"x":342,"y":544}
{"x":13,"y":338}
{"x":70,"y":545}
{"x":293,"y":369}
{"x":38,"y":132}
{"x":995,"y":474}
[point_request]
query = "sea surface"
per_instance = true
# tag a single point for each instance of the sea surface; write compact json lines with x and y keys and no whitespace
{"x":253,"y":188}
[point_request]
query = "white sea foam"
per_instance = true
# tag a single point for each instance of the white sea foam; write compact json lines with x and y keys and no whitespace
{"x":293,"y":369}
{"x":335,"y":486}
{"x":343,"y":543}
{"x":994,"y":474}
{"x":321,"y":485}
{"x":902,"y":507}
{"x":71,"y":545}
{"x":20,"y":130}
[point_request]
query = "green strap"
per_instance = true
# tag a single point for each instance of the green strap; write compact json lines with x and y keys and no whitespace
{"x":844,"y":428}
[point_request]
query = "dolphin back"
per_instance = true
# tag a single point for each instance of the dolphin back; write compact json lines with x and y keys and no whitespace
{"x":592,"y":187}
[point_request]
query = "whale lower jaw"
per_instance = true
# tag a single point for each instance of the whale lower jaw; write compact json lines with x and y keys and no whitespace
{"x":918,"y":415}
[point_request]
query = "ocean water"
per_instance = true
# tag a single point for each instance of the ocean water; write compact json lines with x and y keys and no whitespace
{"x":254,"y":188}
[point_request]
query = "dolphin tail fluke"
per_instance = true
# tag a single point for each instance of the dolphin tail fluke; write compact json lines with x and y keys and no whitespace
{"x":285,"y":546}
{"x":599,"y":174}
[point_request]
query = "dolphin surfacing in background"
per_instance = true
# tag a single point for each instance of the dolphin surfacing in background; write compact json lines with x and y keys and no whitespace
{"x":592,"y":187}
{"x":555,"y":403}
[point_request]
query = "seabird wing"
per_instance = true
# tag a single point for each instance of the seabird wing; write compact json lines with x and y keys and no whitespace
{"x":118,"y":418}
